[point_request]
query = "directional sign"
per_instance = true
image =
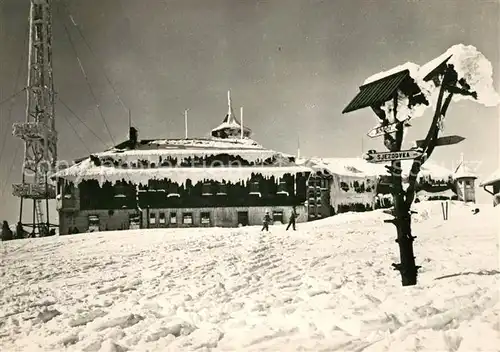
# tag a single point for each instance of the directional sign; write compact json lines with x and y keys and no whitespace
{"x":381,"y":130}
{"x":448,"y":140}
{"x":383,"y":157}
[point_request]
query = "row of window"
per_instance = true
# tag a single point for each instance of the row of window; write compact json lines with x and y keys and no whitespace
{"x":321,"y":183}
{"x":216,"y":188}
{"x":186,"y":218}
{"x":163,"y":219}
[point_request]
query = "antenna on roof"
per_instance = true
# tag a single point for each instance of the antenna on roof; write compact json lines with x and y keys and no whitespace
{"x":298,"y":147}
{"x":461,"y":164}
{"x":129,"y":118}
{"x":241,"y":113}
{"x":229,"y":104}
{"x":186,"y":123}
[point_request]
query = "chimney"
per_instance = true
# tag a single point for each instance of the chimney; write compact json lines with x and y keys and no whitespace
{"x":132,"y":137}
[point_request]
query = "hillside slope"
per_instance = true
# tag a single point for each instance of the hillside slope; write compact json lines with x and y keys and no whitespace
{"x":328,"y":286}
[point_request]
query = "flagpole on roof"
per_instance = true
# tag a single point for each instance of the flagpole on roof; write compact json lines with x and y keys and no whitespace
{"x":186,"y":123}
{"x":298,"y":146}
{"x":229,"y":104}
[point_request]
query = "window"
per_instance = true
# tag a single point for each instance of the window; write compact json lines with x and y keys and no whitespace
{"x":312,"y":182}
{"x":278,"y":216}
{"x":205,"y":218}
{"x":255,"y":188}
{"x":152,"y":218}
{"x":68,"y":190}
{"x":187,"y":218}
{"x":162,"y":219}
{"x":134,"y":221}
{"x":206,"y":189}
{"x":344,"y":186}
{"x":173,"y":190}
{"x":324,"y":184}
{"x":173,"y":218}
{"x":94,"y":223}
{"x":222,"y":189}
{"x":282,"y":186}
{"x":468,"y":183}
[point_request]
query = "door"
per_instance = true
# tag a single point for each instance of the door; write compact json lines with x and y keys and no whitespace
{"x":243,"y":218}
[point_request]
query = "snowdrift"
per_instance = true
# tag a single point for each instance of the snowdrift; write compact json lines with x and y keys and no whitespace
{"x":327,"y":286}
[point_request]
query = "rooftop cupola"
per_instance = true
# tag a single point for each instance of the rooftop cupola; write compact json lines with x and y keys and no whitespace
{"x":230,"y":126}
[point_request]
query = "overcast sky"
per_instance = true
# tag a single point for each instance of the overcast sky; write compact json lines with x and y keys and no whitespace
{"x":293,"y":64}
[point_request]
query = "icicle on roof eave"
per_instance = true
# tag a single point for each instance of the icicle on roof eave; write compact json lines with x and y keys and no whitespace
{"x":178,"y":175}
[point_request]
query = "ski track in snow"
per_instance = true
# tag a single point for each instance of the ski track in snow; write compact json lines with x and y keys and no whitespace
{"x":327,"y":287}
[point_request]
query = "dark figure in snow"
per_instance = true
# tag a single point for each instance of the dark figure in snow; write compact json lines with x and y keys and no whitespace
{"x":267,"y":221}
{"x":20,"y":233}
{"x":293,"y":217}
{"x":7,"y":234}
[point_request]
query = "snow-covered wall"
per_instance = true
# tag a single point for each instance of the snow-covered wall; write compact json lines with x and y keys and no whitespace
{"x":359,"y":190}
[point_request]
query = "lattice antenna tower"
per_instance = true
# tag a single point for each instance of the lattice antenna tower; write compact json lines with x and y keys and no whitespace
{"x":38,"y":131}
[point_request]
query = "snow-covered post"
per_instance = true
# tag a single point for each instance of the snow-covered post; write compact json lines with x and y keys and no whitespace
{"x":404,"y":93}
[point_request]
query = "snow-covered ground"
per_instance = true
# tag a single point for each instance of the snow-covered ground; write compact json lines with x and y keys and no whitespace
{"x":326,"y":287}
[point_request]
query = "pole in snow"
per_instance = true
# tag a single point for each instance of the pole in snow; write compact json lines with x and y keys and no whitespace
{"x":241,"y":113}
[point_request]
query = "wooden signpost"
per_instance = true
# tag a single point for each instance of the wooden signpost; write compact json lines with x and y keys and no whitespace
{"x":448,"y":140}
{"x":380,"y":130}
{"x":383,"y":157}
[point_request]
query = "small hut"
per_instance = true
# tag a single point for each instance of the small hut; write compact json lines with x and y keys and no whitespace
{"x":465,"y":183}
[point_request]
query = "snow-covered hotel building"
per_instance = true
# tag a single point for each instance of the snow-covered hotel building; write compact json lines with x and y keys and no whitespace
{"x":226,"y":180}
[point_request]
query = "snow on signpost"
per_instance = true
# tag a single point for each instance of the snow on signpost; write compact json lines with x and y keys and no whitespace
{"x":405,"y":92}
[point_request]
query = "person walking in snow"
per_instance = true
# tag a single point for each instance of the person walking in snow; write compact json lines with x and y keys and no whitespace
{"x":20,"y":233}
{"x":293,"y":217}
{"x":7,"y":234}
{"x":267,"y":221}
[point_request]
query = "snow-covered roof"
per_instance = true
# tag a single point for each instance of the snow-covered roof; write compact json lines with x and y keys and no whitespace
{"x":202,"y":143}
{"x":463,"y":172}
{"x":354,"y":167}
{"x":230,"y":121}
{"x":233,"y":124}
{"x":153,"y":155}
{"x":181,"y":149}
{"x":424,"y":195}
{"x":469,"y":64}
{"x":491,"y":179}
{"x":86,"y":170}
{"x":358,"y":167}
{"x":410,"y":66}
